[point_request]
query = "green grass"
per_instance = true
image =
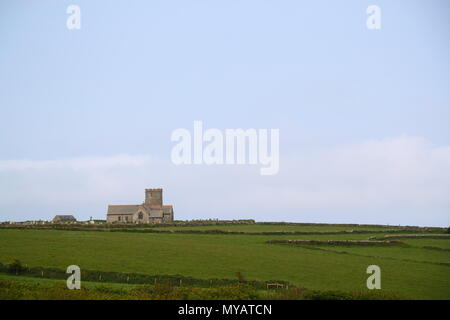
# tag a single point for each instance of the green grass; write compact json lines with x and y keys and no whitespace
{"x":221,"y":256}
{"x":261,"y":227}
{"x":398,"y":252}
{"x":23,"y":288}
{"x":439,"y":243}
{"x":44,"y":281}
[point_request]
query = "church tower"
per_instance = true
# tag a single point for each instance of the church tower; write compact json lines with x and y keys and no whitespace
{"x":153,"y":197}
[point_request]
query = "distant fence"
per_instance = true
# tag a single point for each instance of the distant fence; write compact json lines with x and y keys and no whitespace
{"x":133,"y":278}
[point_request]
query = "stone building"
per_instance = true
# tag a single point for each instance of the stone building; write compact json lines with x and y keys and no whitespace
{"x":64,"y":218}
{"x":151,"y":211}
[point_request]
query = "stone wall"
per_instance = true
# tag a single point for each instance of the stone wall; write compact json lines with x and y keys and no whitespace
{"x":123,"y":218}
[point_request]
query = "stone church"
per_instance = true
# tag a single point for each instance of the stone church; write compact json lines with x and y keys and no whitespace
{"x":151,"y":211}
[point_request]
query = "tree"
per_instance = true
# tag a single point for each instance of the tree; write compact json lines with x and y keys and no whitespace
{"x":16,"y":267}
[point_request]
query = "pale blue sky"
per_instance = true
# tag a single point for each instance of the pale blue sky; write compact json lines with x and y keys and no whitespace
{"x":139,"y":69}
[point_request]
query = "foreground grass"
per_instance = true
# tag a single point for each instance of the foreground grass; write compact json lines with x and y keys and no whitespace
{"x":23,"y":288}
{"x":24,"y":280}
{"x":221,"y":256}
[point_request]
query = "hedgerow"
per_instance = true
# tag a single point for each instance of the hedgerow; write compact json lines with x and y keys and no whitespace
{"x":12,"y":290}
{"x":17,"y":268}
{"x":337,"y":242}
{"x":147,"y":229}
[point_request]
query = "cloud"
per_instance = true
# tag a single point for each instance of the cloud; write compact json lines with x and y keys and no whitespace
{"x":76,"y":163}
{"x":379,"y":172}
{"x":402,"y":180}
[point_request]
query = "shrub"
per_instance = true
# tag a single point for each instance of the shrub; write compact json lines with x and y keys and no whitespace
{"x":240,"y":277}
{"x":163,"y":291}
{"x":288,"y":294}
{"x":159,"y":291}
{"x":235,"y":292}
{"x":16,"y":267}
{"x":350,"y":295}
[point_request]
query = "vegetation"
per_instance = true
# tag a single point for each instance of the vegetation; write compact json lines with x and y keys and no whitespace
{"x":21,"y":288}
{"x":15,"y":267}
{"x":133,"y":278}
{"x":415,"y":268}
{"x":236,"y":227}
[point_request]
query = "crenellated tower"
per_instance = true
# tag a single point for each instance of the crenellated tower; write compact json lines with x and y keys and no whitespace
{"x":153,"y":197}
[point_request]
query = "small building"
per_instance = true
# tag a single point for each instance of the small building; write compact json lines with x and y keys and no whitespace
{"x":151,"y":211}
{"x":64,"y":218}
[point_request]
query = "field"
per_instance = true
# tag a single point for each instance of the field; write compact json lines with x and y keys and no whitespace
{"x":416,"y":268}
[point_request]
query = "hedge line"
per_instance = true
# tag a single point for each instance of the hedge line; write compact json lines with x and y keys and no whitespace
{"x":312,"y":224}
{"x":436,"y":248}
{"x":191,"y":223}
{"x":132,"y":278}
{"x":194,"y":223}
{"x":418,"y":236}
{"x":337,"y":242}
{"x":213,"y":231}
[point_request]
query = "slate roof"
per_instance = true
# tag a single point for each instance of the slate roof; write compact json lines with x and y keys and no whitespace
{"x":64,"y":217}
{"x":154,"y":211}
{"x":122,"y":209}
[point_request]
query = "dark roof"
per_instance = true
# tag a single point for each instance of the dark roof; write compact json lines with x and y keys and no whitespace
{"x":65,"y":217}
{"x":122,"y":209}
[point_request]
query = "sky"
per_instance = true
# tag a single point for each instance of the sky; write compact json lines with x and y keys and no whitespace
{"x":86,"y":116}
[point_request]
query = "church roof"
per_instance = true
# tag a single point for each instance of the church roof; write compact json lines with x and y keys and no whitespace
{"x":122,"y":209}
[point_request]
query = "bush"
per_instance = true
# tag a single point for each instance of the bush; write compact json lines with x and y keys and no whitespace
{"x":240,"y":277}
{"x":14,"y":290}
{"x":16,"y":267}
{"x":239,"y":292}
{"x":163,"y":291}
{"x":350,"y":295}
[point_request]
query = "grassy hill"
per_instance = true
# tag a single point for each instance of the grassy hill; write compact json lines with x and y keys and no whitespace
{"x":415,"y":268}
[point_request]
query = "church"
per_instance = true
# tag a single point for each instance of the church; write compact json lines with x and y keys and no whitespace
{"x":151,"y":211}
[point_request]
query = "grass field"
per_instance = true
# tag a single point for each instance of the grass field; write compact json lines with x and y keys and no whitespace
{"x":408,"y":270}
{"x":269,"y":228}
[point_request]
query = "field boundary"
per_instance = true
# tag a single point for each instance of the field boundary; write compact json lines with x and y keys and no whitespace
{"x":212,"y":231}
{"x":314,"y":247}
{"x":134,"y":278}
{"x":416,"y":236}
{"x":339,"y":242}
{"x":435,"y":248}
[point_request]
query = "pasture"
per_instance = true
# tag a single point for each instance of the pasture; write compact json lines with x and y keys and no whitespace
{"x":411,"y":270}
